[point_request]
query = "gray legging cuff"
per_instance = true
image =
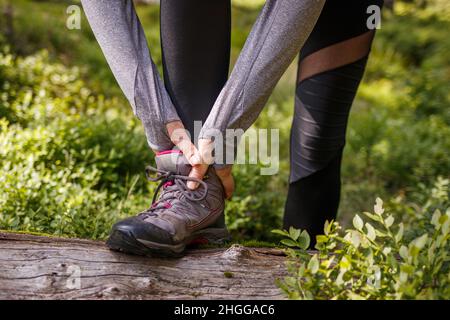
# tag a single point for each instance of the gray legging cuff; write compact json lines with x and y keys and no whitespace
{"x":122,"y":40}
{"x":280,"y":31}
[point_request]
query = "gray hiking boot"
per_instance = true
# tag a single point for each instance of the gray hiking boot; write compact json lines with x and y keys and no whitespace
{"x":178,"y":217}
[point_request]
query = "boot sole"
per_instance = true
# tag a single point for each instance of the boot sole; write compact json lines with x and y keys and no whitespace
{"x":125,"y":241}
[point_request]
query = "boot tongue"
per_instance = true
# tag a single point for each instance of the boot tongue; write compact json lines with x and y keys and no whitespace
{"x":173,"y":161}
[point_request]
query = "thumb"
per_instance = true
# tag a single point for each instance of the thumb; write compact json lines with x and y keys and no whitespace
{"x":198,"y":171}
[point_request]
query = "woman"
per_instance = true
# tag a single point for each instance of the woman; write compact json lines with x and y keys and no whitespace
{"x":195,"y":38}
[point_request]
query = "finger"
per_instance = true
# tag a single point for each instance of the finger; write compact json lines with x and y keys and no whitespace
{"x":227,"y":180}
{"x":206,"y":148}
{"x":180,"y":137}
{"x":195,"y":159}
{"x":197,"y":172}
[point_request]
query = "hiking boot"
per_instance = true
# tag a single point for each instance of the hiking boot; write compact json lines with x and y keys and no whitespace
{"x":179,"y":216}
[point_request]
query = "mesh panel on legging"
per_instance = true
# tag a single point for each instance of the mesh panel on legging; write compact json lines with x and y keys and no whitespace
{"x":195,"y":40}
{"x":331,"y":67}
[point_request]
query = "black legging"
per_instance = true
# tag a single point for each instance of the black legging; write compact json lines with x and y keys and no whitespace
{"x":337,"y":49}
{"x":195,"y":37}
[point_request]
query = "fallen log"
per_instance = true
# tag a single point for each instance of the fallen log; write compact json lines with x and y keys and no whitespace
{"x":38,"y":267}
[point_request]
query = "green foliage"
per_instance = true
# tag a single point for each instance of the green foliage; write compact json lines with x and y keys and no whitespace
{"x":397,"y":142}
{"x":398,"y":135}
{"x":66,"y":162}
{"x":71,"y":161}
{"x":248,"y":216}
{"x":377,"y":258}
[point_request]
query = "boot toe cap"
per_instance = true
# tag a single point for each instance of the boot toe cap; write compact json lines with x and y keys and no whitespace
{"x":142,"y":230}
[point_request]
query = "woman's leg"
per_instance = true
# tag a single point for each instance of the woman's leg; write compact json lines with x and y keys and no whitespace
{"x":279,"y":32}
{"x":195,"y":39}
{"x":331,"y":67}
{"x":122,"y":40}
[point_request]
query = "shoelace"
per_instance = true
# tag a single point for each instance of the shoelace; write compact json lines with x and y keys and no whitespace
{"x":179,"y":181}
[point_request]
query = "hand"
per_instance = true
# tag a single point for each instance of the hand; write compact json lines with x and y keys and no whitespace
{"x":179,"y":137}
{"x":227,"y":180}
{"x":205,"y":147}
{"x":200,"y":159}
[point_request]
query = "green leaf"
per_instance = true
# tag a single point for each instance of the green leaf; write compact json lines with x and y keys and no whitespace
{"x":445,"y":223}
{"x":413,"y":250}
{"x":354,"y":237}
{"x":280,"y":232}
{"x":403,"y":277}
{"x":294,"y":233}
{"x":290,"y":281}
{"x":421,"y":241}
{"x":380,"y":233}
{"x":431,"y":252}
{"x":304,"y":240}
{"x":344,"y":264}
{"x":289,"y":243}
{"x":282,"y":285}
{"x":399,"y":234}
{"x":404,"y":252}
{"x":358,"y":222}
{"x":329,"y":262}
{"x":321,"y":238}
{"x":435,"y":219}
{"x":444,"y":218}
{"x":327,"y":227}
{"x":378,"y":207}
{"x":389,"y":221}
{"x":370,"y":232}
{"x":313,"y":264}
{"x":372,"y":216}
{"x":301,"y":271}
{"x":406,"y":268}
{"x":340,"y":277}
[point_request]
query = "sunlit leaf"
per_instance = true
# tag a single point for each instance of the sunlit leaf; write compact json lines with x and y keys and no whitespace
{"x":370,"y":232}
{"x":327,"y":227}
{"x":435,"y":219}
{"x":294,"y":233}
{"x":373,"y":216}
{"x":421,"y":241}
{"x":389,"y":221}
{"x":404,"y":252}
{"x":344,"y":264}
{"x":321,"y":238}
{"x":313,"y":264}
{"x":399,"y":234}
{"x":378,"y":208}
{"x":280,"y":232}
{"x":339,"y":278}
{"x":358,"y":222}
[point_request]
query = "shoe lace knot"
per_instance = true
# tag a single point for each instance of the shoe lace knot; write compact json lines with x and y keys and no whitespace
{"x":168,"y":178}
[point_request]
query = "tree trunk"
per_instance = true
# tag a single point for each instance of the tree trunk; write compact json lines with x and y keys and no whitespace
{"x":37,"y":267}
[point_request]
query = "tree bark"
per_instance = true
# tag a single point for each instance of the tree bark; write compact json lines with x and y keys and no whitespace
{"x":37,"y":267}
